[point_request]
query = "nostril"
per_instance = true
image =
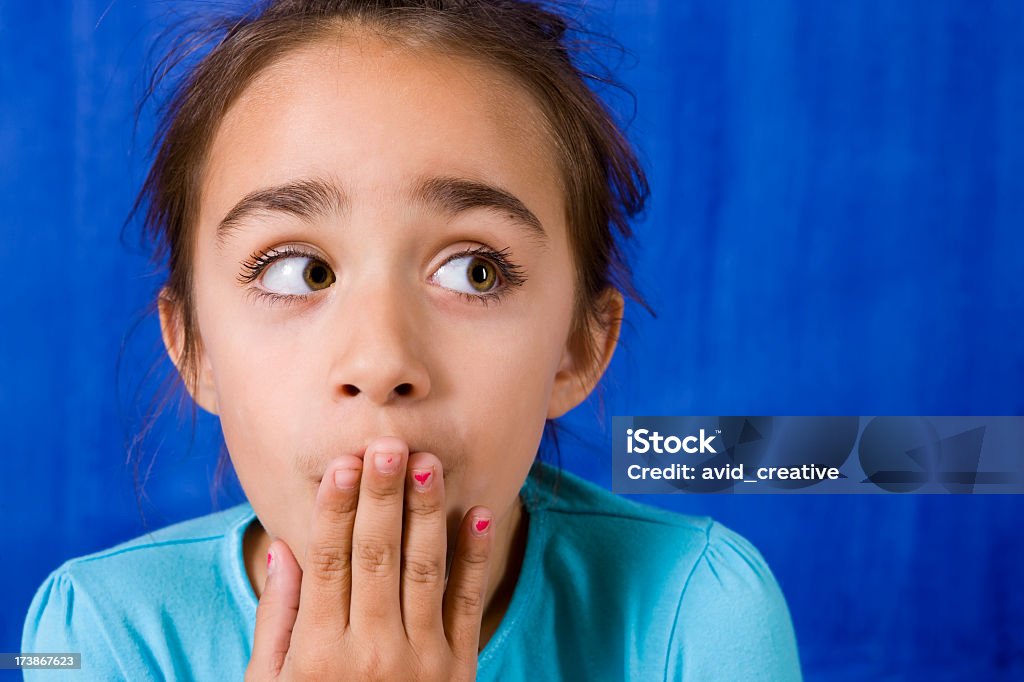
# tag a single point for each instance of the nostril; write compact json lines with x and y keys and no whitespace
{"x":350,"y":390}
{"x":403,"y":389}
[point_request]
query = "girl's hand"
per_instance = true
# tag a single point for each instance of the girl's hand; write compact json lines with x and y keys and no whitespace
{"x":372,"y":602}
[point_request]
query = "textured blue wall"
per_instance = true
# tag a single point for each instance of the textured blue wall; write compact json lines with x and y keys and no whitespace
{"x":837,"y":227}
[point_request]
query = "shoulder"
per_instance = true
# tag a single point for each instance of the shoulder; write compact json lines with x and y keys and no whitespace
{"x":605,"y":522}
{"x":646,"y":541}
{"x":123,"y":598}
{"x":708,"y":600}
{"x":732,"y":620}
{"x":150,"y":559}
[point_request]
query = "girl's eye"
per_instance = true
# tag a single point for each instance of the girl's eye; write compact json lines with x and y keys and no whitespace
{"x":468,"y":274}
{"x":297,"y":275}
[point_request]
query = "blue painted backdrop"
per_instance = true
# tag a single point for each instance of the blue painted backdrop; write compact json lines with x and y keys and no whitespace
{"x":836,"y":228}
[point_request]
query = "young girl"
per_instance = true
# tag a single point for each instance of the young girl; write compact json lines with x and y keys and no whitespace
{"x":392,"y":259}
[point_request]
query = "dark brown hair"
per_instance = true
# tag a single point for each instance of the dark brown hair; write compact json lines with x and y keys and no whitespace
{"x":603,"y":181}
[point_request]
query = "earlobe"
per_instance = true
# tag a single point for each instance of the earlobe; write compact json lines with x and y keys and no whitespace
{"x":198,"y":381}
{"x":583,"y":363}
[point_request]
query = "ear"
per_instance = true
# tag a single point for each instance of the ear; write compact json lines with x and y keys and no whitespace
{"x":204,"y":391}
{"x":580,"y":371}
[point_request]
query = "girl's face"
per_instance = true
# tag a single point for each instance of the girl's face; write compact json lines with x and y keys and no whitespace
{"x":382,"y":251}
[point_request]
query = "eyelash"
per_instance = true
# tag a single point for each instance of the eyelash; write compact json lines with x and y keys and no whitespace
{"x":259,"y":261}
{"x":511,"y":274}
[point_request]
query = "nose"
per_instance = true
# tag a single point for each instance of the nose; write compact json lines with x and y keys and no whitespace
{"x":378,"y":354}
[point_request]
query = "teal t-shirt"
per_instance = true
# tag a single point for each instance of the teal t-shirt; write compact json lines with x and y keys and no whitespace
{"x":608,"y":590}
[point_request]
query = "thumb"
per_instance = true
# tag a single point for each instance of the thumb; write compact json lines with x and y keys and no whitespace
{"x":275,"y":615}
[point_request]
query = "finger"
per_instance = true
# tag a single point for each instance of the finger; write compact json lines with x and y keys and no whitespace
{"x":327,"y":570}
{"x":467,"y":584}
{"x":377,"y":537}
{"x":424,"y":547}
{"x":275,"y":614}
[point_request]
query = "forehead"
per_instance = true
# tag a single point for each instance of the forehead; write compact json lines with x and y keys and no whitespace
{"x":375,"y":114}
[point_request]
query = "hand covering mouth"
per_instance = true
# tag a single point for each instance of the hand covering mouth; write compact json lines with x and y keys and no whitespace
{"x":394,"y":441}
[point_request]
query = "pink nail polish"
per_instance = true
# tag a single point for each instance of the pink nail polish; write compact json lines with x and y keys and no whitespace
{"x":386,"y":463}
{"x":480,"y":526}
{"x":422,"y":478}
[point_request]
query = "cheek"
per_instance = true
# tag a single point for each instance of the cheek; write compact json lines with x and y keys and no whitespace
{"x":503,"y":398}
{"x":256,"y":385}
{"x":264,"y":429}
{"x":265,"y":422}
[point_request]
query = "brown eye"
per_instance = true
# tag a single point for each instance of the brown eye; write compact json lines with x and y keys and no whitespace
{"x":473,"y":275}
{"x":296,"y":275}
{"x":317,"y":275}
{"x":481,"y":274}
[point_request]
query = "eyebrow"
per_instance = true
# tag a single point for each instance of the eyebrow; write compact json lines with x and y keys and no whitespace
{"x":315,"y":197}
{"x":455,"y":195}
{"x":306,"y":199}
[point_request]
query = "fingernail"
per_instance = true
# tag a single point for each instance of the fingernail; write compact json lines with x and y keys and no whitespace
{"x":422,"y":478}
{"x":480,"y":525}
{"x":386,"y":462}
{"x":270,"y":564}
{"x":346,"y":479}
